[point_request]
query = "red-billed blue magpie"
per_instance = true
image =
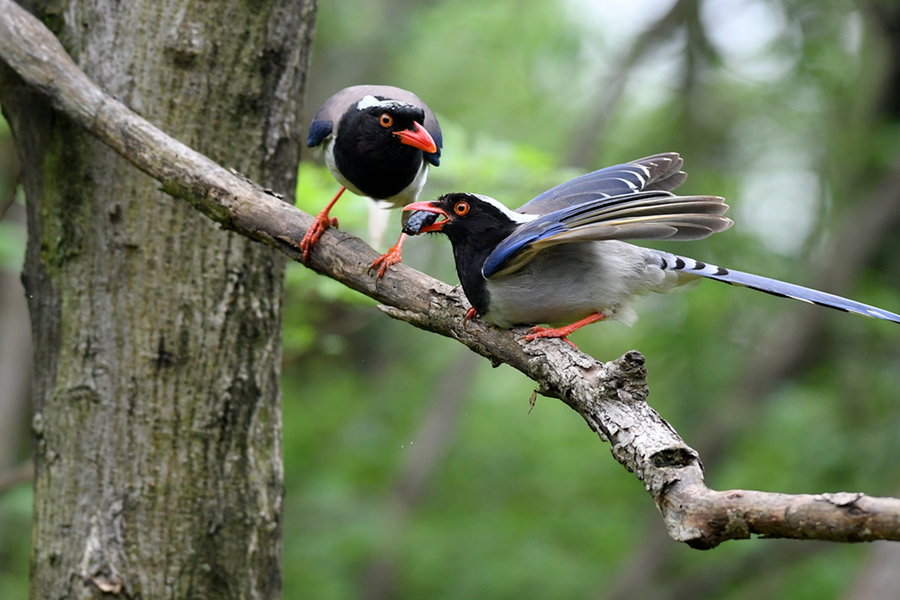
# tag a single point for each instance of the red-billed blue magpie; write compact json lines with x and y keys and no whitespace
{"x":559,"y":258}
{"x":378,"y":141}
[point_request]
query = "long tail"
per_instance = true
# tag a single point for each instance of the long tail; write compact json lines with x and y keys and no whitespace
{"x":773,"y":286}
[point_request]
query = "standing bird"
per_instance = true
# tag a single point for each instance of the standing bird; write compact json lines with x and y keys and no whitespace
{"x":560,"y":258}
{"x":379,"y":141}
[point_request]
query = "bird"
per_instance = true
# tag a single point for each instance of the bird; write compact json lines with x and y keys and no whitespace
{"x":562,"y":257}
{"x":378,"y":142}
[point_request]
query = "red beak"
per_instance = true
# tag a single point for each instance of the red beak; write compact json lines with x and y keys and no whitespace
{"x":428,"y":207}
{"x":417,"y":137}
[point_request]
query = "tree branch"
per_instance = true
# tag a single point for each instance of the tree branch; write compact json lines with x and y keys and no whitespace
{"x":611,"y":397}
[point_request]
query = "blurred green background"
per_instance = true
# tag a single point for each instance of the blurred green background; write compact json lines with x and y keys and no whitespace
{"x":414,"y":470}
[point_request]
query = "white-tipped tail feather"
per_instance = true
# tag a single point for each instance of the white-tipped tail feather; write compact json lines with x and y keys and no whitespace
{"x":674,"y":262}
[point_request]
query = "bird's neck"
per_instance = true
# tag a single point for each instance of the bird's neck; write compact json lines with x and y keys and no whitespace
{"x":468,"y":268}
{"x":379,"y":171}
{"x":470,"y":251}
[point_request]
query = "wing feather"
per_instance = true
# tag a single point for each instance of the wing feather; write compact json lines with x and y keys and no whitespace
{"x":642,"y":215}
{"x":660,"y":172}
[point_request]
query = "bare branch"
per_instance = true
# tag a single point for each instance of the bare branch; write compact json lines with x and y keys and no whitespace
{"x":611,"y":397}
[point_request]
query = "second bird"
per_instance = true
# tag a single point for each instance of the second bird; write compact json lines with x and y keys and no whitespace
{"x":378,"y":141}
{"x":560,"y":257}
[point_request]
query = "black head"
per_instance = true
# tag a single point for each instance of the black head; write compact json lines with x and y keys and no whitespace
{"x":380,"y":145}
{"x":475,"y":225}
{"x":468,"y":219}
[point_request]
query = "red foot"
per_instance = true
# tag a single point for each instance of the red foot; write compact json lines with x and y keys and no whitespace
{"x":545,"y":332}
{"x":391,"y":257}
{"x":563,"y":332}
{"x":321,"y":223}
{"x":315,"y":231}
{"x":470,"y":314}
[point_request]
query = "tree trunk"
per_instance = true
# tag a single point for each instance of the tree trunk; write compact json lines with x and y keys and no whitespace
{"x":157,"y":335}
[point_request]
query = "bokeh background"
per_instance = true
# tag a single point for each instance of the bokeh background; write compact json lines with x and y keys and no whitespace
{"x":415,"y":470}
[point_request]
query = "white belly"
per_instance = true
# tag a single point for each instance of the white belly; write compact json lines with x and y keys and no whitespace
{"x":571,"y":281}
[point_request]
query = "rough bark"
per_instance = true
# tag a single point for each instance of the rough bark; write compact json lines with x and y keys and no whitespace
{"x":611,"y":397}
{"x":157,"y":427}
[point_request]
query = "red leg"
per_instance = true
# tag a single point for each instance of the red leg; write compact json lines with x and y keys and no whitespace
{"x":470,"y":314}
{"x":562,"y":332}
{"x":321,"y":223}
{"x":391,"y":257}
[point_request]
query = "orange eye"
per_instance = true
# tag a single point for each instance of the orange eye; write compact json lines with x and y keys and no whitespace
{"x":386,"y":120}
{"x":461,"y":208}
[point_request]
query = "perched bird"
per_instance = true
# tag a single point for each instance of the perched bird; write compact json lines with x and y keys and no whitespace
{"x":378,"y":141}
{"x":560,"y":258}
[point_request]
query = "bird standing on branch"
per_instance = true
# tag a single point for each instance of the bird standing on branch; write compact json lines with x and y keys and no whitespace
{"x":378,"y":141}
{"x":560,"y":258}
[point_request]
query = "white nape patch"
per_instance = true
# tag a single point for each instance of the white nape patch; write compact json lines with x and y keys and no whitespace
{"x":370,"y":101}
{"x":516,"y":217}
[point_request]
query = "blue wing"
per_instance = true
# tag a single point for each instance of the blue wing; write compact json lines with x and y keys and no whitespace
{"x":591,"y":217}
{"x":434,"y":130}
{"x":657,"y":172}
{"x":318,"y":131}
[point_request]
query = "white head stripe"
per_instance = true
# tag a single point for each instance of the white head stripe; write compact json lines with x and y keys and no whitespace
{"x":370,"y":101}
{"x":513,"y":216}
